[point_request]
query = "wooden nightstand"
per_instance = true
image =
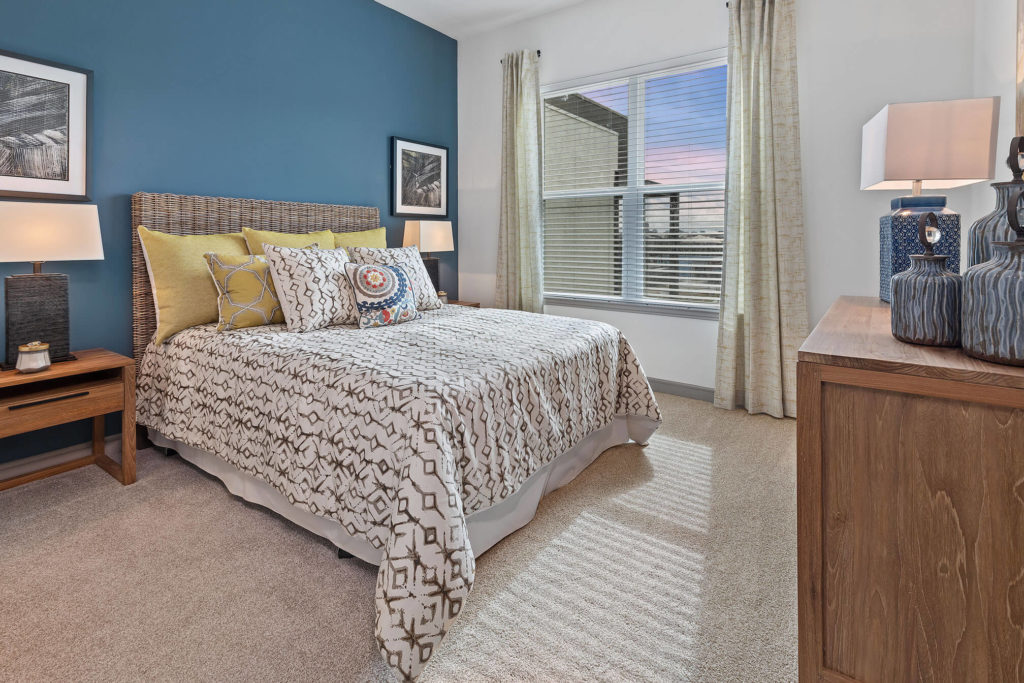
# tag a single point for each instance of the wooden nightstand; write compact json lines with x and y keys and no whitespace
{"x":97,"y":383}
{"x":471,"y":304}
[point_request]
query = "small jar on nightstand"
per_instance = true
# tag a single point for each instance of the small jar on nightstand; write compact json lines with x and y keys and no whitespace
{"x":33,"y":357}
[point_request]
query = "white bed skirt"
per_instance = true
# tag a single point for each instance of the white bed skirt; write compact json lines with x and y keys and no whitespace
{"x":486,"y":527}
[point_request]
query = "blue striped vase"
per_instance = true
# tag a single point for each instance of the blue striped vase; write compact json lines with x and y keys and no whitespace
{"x":993,"y":310}
{"x":992,"y":227}
{"x":926,"y":303}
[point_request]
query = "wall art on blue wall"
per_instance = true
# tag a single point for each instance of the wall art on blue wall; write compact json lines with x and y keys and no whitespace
{"x":419,"y":178}
{"x":43,"y":128}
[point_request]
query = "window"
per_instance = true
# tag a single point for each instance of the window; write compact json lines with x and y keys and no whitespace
{"x":634,"y":191}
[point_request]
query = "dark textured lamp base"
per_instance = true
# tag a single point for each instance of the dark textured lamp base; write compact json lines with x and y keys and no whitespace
{"x":37,"y":308}
{"x":433,"y":265}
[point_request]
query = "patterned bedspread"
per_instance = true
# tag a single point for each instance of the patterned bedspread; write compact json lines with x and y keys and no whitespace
{"x":399,"y":432}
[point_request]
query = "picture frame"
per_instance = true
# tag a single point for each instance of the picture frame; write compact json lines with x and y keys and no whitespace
{"x":45,"y":128}
{"x":419,"y":179}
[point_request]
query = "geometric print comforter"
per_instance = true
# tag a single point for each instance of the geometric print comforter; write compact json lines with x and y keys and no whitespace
{"x":398,"y":433}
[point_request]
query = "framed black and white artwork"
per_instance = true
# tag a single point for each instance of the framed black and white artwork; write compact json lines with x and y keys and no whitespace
{"x":43,"y":128}
{"x":419,"y":178}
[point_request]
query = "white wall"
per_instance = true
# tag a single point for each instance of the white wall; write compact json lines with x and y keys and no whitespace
{"x":675,"y":349}
{"x":854,"y":57}
{"x":995,"y":64}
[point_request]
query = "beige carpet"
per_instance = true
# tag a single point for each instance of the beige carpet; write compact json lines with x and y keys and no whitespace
{"x":674,"y":562}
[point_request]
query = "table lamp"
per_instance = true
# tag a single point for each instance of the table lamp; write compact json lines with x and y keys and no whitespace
{"x":37,"y":303}
{"x":428,"y":237}
{"x":925,"y":146}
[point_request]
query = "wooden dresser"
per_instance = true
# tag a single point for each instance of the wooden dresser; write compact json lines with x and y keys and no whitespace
{"x":910,"y":502}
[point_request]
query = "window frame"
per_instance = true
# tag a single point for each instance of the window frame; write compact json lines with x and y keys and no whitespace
{"x":635,"y":190}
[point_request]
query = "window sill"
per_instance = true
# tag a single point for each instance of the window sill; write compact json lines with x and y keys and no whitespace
{"x":674,"y":310}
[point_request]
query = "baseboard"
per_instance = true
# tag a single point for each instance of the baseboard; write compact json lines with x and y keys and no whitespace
{"x":667,"y":386}
{"x":33,"y":463}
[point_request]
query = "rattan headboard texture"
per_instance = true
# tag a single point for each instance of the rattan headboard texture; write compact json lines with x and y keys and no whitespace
{"x":189,"y":215}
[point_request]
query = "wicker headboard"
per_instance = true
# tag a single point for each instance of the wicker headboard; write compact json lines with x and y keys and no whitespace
{"x":188,"y":215}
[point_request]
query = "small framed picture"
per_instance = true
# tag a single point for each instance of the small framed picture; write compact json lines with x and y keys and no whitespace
{"x":44,"y":128}
{"x":419,"y":178}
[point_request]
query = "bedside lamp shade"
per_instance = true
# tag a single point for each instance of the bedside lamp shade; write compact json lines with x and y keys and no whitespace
{"x":940,"y":144}
{"x":35,"y":232}
{"x":429,"y":236}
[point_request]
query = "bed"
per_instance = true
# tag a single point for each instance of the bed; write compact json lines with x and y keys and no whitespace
{"x":414,"y":447}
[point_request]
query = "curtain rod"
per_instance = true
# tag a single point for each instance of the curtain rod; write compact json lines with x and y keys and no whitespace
{"x":690,"y":59}
{"x":502,"y":61}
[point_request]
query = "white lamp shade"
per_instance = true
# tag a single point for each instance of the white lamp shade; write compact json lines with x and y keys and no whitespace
{"x":31,"y":231}
{"x":429,"y":236}
{"x":943,"y":144}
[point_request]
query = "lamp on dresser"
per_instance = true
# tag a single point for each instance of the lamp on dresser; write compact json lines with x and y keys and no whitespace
{"x":428,"y":237}
{"x":925,"y":146}
{"x":36,"y":303}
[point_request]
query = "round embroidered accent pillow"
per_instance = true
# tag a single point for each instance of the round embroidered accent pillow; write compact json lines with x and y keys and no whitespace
{"x":409,"y":259}
{"x":384,"y":294}
{"x":379,"y":284}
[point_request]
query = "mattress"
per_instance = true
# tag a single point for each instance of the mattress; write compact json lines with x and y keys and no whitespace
{"x":400,"y":436}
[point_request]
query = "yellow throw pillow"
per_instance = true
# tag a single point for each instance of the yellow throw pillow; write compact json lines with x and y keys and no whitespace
{"x":247,"y":297}
{"x":184,"y":294}
{"x":364,"y":238}
{"x":255,"y":239}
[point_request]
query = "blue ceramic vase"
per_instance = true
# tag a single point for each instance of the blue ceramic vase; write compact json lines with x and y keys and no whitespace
{"x":993,"y":306}
{"x":926,"y":297}
{"x":992,"y":227}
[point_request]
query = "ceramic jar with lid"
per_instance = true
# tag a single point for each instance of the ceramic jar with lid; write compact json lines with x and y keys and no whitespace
{"x":994,"y":226}
{"x":993,"y":307}
{"x":926,"y":297}
{"x":33,"y":357}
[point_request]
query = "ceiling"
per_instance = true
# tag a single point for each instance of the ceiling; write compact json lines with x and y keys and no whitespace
{"x":462,"y":18}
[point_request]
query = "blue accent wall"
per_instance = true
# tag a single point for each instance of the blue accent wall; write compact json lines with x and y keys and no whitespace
{"x":274,"y":99}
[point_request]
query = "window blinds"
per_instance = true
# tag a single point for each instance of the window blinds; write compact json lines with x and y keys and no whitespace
{"x":634,"y":177}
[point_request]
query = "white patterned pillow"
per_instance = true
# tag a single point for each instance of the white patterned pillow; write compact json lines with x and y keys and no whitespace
{"x":409,"y":259}
{"x":312,"y":286}
{"x":383,"y":294}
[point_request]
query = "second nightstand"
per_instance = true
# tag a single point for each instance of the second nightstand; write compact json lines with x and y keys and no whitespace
{"x":97,"y":383}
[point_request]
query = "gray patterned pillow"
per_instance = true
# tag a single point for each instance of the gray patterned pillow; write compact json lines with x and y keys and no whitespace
{"x":312,"y":286}
{"x":409,"y":259}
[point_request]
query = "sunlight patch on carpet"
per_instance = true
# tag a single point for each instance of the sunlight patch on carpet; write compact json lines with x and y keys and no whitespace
{"x":608,"y":595}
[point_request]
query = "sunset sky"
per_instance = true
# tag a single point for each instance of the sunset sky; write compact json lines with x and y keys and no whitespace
{"x":684,"y":124}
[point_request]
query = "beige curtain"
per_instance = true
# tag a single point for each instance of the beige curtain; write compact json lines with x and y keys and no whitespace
{"x":519,"y":284}
{"x":763,"y":317}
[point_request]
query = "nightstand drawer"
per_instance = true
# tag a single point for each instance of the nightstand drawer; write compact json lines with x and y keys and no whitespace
{"x":30,"y":410}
